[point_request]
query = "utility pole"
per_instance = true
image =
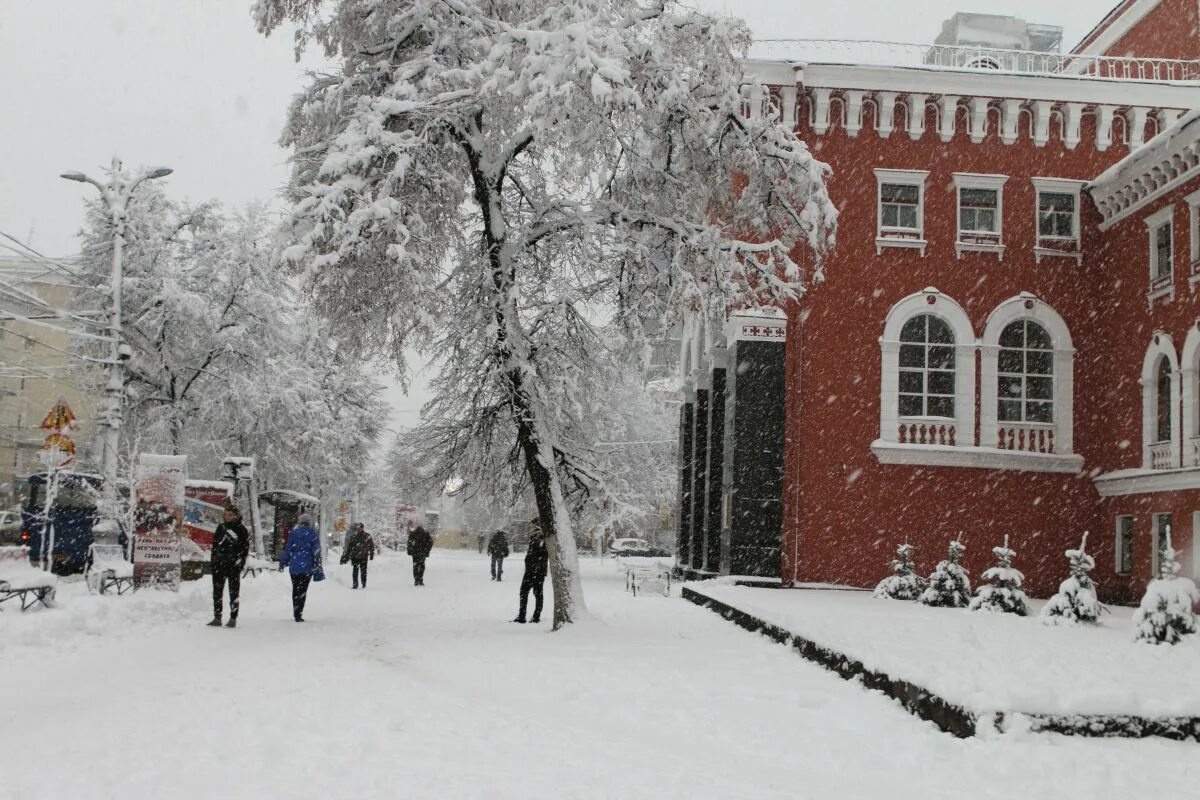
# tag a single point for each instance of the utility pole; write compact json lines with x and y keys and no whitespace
{"x":116,"y":194}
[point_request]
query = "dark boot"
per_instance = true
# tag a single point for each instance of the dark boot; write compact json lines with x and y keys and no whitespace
{"x":520,"y":620}
{"x":233,"y":622}
{"x":535,"y":619}
{"x":216,"y":623}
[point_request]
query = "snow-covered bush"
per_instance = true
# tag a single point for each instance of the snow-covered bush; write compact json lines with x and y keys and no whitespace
{"x":949,"y":585}
{"x":1165,"y":614}
{"x":904,"y":583}
{"x":1076,"y":599}
{"x":1003,"y":593}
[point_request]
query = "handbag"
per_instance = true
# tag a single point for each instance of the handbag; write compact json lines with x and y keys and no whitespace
{"x":318,"y":574}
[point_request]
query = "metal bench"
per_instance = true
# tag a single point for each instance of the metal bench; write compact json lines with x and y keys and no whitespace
{"x":644,"y":575}
{"x":28,"y":585}
{"x":256,"y":566}
{"x":108,"y":569}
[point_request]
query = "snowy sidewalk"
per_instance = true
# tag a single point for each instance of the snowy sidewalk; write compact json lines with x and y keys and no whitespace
{"x":987,"y":663}
{"x":431,"y":693}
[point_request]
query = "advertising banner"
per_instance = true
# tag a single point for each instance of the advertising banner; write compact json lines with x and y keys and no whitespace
{"x":159,"y":491}
{"x":204,"y":510}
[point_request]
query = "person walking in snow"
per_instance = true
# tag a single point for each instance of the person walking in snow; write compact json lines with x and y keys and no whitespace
{"x":302,"y":554}
{"x":498,"y":550}
{"x":537,"y":559}
{"x":420,"y":543}
{"x":360,"y":548}
{"x":231,"y":546}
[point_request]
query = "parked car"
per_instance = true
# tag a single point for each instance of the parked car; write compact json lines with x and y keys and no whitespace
{"x":10,"y":528}
{"x":636,"y":547}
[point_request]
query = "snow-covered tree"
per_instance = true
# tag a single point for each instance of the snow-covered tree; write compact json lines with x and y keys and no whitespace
{"x":483,"y":182}
{"x":949,"y":586}
{"x":1166,"y":613}
{"x":904,"y":583}
{"x":1076,"y":599}
{"x":1003,"y":593}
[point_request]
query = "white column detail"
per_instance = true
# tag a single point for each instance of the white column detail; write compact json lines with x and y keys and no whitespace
{"x":1072,"y":118}
{"x":979,"y":118}
{"x":787,"y":95}
{"x":948,"y":116}
{"x":1041,"y":122}
{"x":853,"y":102}
{"x":1135,"y":123}
{"x":916,"y":116}
{"x":1104,"y":127}
{"x":885,"y":113}
{"x":1010,"y":119}
{"x":820,"y":110}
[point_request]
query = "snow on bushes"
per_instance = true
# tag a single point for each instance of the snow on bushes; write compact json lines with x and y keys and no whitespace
{"x":1076,"y":600}
{"x":904,"y":583}
{"x":1165,"y":614}
{"x":1004,"y":593}
{"x":949,"y":585}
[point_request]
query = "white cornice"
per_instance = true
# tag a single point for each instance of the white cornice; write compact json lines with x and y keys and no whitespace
{"x":1145,"y":481}
{"x":928,"y":455}
{"x":932,"y":80}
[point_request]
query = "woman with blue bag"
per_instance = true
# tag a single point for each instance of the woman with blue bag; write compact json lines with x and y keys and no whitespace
{"x":302,"y":554}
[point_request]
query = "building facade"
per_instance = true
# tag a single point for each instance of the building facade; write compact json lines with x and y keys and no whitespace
{"x":1007,"y":340}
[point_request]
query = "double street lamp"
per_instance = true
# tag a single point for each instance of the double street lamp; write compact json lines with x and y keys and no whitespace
{"x":116,"y":195}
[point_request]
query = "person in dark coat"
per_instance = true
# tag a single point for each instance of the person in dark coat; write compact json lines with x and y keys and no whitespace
{"x":498,"y":550}
{"x":420,"y":543}
{"x":537,"y":560}
{"x":231,"y":546}
{"x":360,"y":548}
{"x":302,"y":555}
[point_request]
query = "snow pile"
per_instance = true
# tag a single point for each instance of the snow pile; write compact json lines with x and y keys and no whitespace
{"x":1004,"y":593}
{"x":949,"y":586}
{"x":1166,"y":613}
{"x":1076,"y":599}
{"x":905,"y":583}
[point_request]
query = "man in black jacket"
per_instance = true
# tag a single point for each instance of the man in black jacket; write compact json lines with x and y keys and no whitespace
{"x":420,"y":543}
{"x":231,"y":546}
{"x":498,"y":550}
{"x":360,"y":548}
{"x":537,"y":559}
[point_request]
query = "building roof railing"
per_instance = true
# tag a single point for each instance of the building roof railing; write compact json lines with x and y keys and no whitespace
{"x":976,"y":58}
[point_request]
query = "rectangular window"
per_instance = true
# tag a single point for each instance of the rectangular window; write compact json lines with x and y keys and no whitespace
{"x":1124,"y":559}
{"x":1057,"y":216}
{"x":977,"y":211}
{"x":900,"y":207}
{"x":1162,"y":251}
{"x":1161,"y":255}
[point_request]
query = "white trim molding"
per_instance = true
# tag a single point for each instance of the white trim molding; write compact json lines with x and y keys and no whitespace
{"x":1049,"y":246}
{"x":1193,"y":204}
{"x":1160,"y":346}
{"x":1189,"y":376}
{"x":1160,"y":288}
{"x":927,"y":455}
{"x":913,"y":238}
{"x":986,"y":242}
{"x":1122,"y":482}
{"x":962,"y":425}
{"x":1026,"y":306}
{"x":1164,"y":163}
{"x":1117,"y":28}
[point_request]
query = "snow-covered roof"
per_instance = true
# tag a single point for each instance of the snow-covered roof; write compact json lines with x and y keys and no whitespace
{"x":218,"y":486}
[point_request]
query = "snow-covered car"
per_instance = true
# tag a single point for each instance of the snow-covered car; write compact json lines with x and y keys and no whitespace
{"x":635,"y":547}
{"x":10,"y":527}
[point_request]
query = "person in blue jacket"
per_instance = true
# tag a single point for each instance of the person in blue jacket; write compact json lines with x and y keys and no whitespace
{"x":302,"y":554}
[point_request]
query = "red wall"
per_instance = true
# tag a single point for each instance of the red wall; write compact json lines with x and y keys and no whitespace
{"x":1168,"y":31}
{"x":845,"y":512}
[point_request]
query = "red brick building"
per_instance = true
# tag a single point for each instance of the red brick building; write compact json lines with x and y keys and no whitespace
{"x":1008,"y":337}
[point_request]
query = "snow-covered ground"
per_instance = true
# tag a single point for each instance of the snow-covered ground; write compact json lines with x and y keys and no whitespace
{"x":422,"y":693}
{"x":988,"y":662}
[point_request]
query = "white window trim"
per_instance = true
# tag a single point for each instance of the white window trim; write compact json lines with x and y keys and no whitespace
{"x":969,"y":180}
{"x":1196,"y":545}
{"x":1189,"y":380}
{"x":1027,"y":306}
{"x":953,"y":314}
{"x":1057,"y":186}
{"x":1160,"y":345}
{"x":903,"y":177}
{"x":1154,"y":539}
{"x":1193,"y":204}
{"x":1117,"y":542}
{"x":1165,"y":216}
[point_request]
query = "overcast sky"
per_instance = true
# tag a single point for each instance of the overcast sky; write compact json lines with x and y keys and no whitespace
{"x":189,"y":84}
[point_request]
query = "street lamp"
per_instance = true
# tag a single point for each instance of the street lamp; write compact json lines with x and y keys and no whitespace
{"x":116,"y":194}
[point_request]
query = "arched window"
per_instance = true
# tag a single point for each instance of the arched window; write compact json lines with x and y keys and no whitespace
{"x":1025,"y":385}
{"x":1162,"y":397}
{"x":926,"y":368}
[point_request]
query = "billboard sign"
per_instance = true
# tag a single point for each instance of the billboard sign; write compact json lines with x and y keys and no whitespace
{"x":158,"y":520}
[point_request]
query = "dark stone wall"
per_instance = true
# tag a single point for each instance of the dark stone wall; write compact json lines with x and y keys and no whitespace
{"x":716,"y":473}
{"x":683,"y":541}
{"x":757,"y":440}
{"x":699,"y":478}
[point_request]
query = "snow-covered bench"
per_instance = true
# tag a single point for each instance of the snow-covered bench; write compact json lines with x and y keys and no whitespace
{"x":256,"y":566}
{"x":108,"y":569}
{"x":30,"y":586}
{"x":644,"y":574}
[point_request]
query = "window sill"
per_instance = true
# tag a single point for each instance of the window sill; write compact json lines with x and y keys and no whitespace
{"x":1166,"y":293}
{"x":931,"y":455}
{"x":895,"y":241}
{"x":979,"y":247}
{"x":1041,"y":252}
{"x":1195,"y":275}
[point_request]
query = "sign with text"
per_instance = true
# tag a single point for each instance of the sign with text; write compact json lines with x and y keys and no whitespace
{"x":158,"y":520}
